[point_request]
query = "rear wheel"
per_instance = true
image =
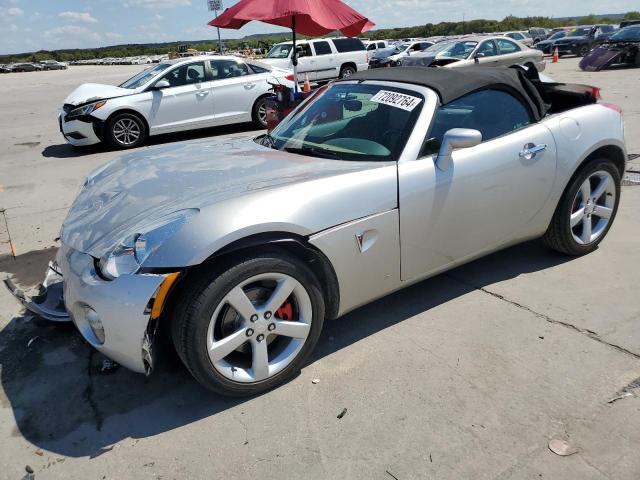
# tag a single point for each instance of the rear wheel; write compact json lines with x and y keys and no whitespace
{"x":126,"y":130}
{"x":249,"y":328}
{"x":583,"y":50}
{"x":586,"y":210}
{"x":347,"y":70}
{"x":259,"y":113}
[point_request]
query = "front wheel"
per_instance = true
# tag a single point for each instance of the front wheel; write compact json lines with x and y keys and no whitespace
{"x":346,"y":71}
{"x":126,"y":130}
{"x":249,"y":328}
{"x":583,"y":50}
{"x":259,"y":113}
{"x":586,"y":210}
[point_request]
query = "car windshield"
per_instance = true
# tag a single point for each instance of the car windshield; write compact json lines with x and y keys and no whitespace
{"x":143,"y":77}
{"x":631,"y":34}
{"x":385,"y":52}
{"x":458,"y":49}
{"x":280,"y":51}
{"x":557,"y":35}
{"x":351,"y":122}
{"x":580,"y":32}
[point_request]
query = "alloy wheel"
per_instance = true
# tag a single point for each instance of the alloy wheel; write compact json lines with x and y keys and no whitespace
{"x":262,"y":112}
{"x":592,"y":207}
{"x":127,"y":131}
{"x":259,"y":327}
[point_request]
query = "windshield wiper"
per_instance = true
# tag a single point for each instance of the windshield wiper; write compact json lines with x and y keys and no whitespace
{"x":312,"y":152}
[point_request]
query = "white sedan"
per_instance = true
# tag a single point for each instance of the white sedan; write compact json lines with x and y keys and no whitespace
{"x":177,"y":95}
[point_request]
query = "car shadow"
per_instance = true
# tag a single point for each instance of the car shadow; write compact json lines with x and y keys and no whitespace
{"x":65,"y":150}
{"x":66,"y":400}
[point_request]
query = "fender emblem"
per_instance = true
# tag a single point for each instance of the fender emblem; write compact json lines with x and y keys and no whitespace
{"x":366,"y":239}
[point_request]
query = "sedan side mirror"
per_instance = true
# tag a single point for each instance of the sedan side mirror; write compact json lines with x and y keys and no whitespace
{"x":456,"y":138}
{"x":160,"y":84}
{"x":478,"y":56}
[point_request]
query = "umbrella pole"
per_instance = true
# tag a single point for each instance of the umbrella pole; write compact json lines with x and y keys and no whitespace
{"x":294,"y":57}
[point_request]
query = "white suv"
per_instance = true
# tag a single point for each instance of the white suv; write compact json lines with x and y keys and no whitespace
{"x":322,"y":59}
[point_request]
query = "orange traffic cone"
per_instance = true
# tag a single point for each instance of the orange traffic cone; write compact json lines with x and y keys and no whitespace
{"x":556,"y":56}
{"x":307,"y":86}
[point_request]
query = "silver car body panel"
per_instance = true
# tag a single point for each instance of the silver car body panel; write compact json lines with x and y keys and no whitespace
{"x":121,"y":305}
{"x":365,"y":255}
{"x":382,"y":226}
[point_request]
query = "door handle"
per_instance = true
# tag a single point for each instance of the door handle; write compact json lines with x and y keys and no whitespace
{"x":249,"y":86}
{"x":530,"y":150}
{"x":202,"y":94}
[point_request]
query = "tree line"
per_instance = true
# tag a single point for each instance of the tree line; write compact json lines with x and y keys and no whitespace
{"x":426,"y":30}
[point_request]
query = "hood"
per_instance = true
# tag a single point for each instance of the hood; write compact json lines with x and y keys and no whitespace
{"x":577,"y":38}
{"x":89,"y":92}
{"x":418,"y":60}
{"x":283,"y":63}
{"x":136,"y":189}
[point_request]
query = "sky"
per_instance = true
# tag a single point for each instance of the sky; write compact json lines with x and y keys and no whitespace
{"x":29,"y":25}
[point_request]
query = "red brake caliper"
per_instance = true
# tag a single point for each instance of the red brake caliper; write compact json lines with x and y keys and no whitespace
{"x":285,"y":312}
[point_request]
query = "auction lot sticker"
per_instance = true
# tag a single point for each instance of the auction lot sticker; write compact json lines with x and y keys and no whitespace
{"x":395,"y":99}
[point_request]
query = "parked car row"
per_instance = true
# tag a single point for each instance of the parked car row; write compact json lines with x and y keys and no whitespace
{"x":33,"y":66}
{"x":577,"y":41}
{"x":137,"y":60}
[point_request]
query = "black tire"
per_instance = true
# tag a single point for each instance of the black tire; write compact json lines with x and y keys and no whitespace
{"x":112,"y":136}
{"x":347,"y":70}
{"x":259,"y":113}
{"x":206,"y":290}
{"x":583,"y":50}
{"x":559,"y":236}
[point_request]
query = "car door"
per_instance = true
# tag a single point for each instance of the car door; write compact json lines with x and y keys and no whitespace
{"x":488,"y":195}
{"x":234,"y":88}
{"x":324,"y":61}
{"x":186,"y":103}
{"x":509,"y":53}
{"x":306,"y":62}
{"x":486,"y":54}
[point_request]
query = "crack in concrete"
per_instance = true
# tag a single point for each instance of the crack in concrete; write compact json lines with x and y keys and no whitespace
{"x":628,"y":390}
{"x":88,"y":394}
{"x":584,"y":331}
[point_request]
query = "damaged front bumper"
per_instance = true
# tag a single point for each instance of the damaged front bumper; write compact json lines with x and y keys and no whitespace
{"x":114,"y":316}
{"x":48,"y":303}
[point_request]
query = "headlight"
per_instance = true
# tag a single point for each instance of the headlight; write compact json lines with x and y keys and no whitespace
{"x":130,"y":254}
{"x":86,"y":109}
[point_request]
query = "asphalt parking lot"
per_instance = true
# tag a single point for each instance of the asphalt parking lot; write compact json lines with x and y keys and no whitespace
{"x":467,"y":375}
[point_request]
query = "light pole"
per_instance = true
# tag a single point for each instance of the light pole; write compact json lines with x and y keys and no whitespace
{"x":214,"y":6}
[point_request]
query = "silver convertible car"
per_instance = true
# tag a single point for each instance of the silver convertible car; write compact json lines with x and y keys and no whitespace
{"x":240,"y":249}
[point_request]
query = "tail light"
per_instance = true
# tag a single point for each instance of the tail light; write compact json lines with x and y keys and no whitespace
{"x":595,"y":93}
{"x":612,"y":106}
{"x":289,"y":77}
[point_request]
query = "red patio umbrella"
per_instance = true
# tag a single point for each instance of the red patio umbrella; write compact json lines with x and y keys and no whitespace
{"x":308,"y":17}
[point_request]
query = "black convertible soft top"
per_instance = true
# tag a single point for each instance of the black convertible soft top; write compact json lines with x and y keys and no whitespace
{"x":453,"y":83}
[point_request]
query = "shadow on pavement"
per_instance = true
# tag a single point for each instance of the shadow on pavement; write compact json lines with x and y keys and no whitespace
{"x":63,"y":402}
{"x":64,"y":150}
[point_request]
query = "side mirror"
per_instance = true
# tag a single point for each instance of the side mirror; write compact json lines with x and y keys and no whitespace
{"x":478,"y":56}
{"x":456,"y":138}
{"x":160,"y":84}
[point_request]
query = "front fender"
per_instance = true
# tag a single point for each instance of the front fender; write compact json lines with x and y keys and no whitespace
{"x":301,"y":209}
